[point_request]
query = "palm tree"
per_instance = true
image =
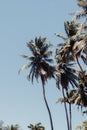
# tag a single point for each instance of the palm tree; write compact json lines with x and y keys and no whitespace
{"x":66,"y":56}
{"x":65,"y":76}
{"x":37,"y":126}
{"x":39,"y":65}
{"x":14,"y":127}
{"x":83,"y":127}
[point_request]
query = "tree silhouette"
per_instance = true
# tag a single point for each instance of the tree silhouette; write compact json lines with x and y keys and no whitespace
{"x":70,"y":71}
{"x":40,"y":67}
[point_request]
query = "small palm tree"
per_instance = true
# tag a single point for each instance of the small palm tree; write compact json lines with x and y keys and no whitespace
{"x":39,"y":65}
{"x":37,"y":126}
{"x":14,"y":127}
{"x":83,"y":127}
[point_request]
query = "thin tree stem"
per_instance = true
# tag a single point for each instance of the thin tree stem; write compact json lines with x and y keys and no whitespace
{"x":49,"y":112}
{"x":67,"y":118}
{"x":70,"y":116}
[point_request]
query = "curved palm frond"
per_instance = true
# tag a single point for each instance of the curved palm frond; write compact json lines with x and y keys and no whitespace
{"x":83,"y":12}
{"x":25,"y":66}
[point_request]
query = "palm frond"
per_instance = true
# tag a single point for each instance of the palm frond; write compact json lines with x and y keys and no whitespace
{"x":61,"y":36}
{"x":82,"y":3}
{"x":25,"y":66}
{"x":49,"y":60}
{"x":66,"y":26}
{"x":30,"y":126}
{"x":62,"y":100}
{"x":45,"y":48}
{"x":39,"y":42}
{"x":31,"y":46}
{"x":82,"y":13}
{"x":79,"y":47}
{"x":28,"y":57}
{"x":31,"y":73}
{"x":47,"y":54}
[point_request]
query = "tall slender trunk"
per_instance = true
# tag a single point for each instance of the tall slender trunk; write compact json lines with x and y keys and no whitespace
{"x":46,"y":103}
{"x":67,"y":118}
{"x":70,"y":116}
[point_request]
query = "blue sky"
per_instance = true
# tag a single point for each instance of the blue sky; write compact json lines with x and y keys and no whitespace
{"x":20,"y":21}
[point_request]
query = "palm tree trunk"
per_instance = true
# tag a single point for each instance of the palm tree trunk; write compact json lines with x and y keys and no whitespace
{"x":70,"y":116}
{"x":46,"y":103}
{"x":67,"y":118}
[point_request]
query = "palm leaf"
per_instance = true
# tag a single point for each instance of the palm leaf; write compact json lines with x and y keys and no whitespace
{"x":45,"y":48}
{"x":79,"y":127}
{"x":61,"y":36}
{"x":38,"y":124}
{"x":62,"y":100}
{"x":66,"y":25}
{"x":79,"y":46}
{"x":31,"y":46}
{"x":47,"y":54}
{"x":28,"y":57}
{"x":32,"y":72}
{"x":30,"y":126}
{"x":39,"y":42}
{"x":82,"y":4}
{"x":49,"y":60}
{"x":81,"y":14}
{"x":25,"y":66}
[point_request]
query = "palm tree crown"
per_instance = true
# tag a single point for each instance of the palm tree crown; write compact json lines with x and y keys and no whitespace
{"x":39,"y":61}
{"x":37,"y":126}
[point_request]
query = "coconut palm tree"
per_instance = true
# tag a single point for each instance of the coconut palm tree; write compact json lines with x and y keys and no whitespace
{"x":37,"y":126}
{"x":64,"y":77}
{"x":14,"y":127}
{"x":39,"y":65}
{"x":65,"y":59}
{"x":83,"y":127}
{"x":71,"y":50}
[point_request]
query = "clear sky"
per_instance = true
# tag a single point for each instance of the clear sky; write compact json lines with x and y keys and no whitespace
{"x":20,"y":21}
